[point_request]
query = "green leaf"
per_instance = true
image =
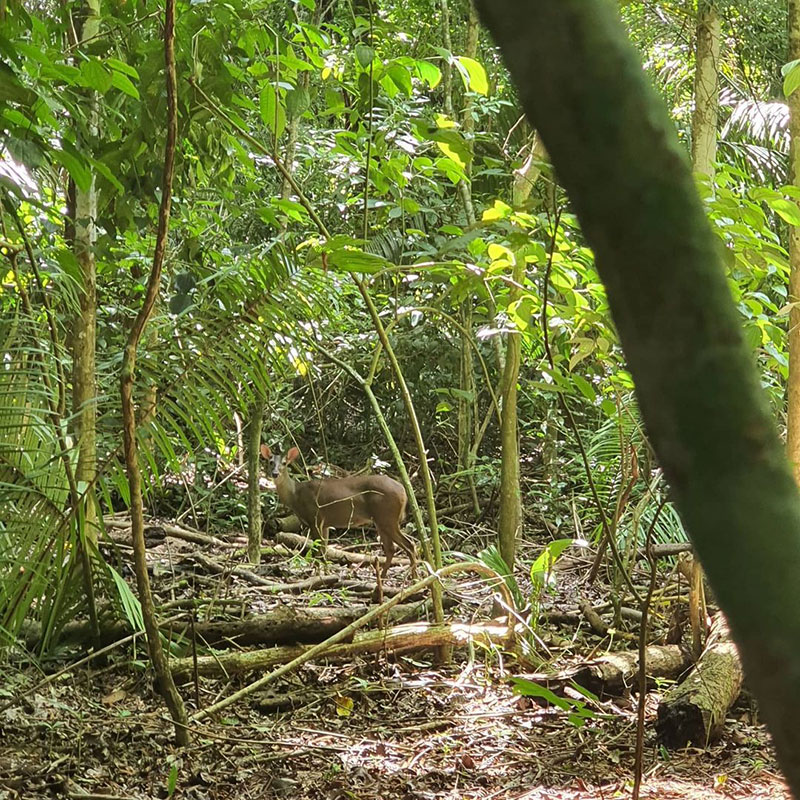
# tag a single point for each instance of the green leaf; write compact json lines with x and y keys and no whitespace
{"x":11,"y":90}
{"x":449,"y":140}
{"x":791,"y":78}
{"x":179,"y":303}
{"x":121,"y":66}
{"x":356,"y":261}
{"x":292,"y":209}
{"x":586,"y":388}
{"x":297,"y":101}
{"x":273,"y":112}
{"x":76,"y":168}
{"x":586,"y":347}
{"x":69,"y":264}
{"x":401,"y":78}
{"x":172,"y":780}
{"x":528,"y":688}
{"x":429,"y":73}
{"x":473,"y":75}
{"x":103,"y":170}
{"x":451,"y":170}
{"x":786,"y":210}
{"x":548,"y":557}
{"x":365,"y":55}
{"x":96,"y":76}
{"x":123,"y":83}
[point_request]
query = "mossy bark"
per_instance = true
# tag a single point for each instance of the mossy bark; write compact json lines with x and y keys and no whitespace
{"x":616,"y":152}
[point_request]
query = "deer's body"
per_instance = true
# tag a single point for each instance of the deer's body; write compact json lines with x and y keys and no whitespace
{"x":345,"y":503}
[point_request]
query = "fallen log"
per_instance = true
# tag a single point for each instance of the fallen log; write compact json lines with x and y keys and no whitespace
{"x":694,"y":711}
{"x":285,"y":625}
{"x":402,"y":639}
{"x":615,"y":673}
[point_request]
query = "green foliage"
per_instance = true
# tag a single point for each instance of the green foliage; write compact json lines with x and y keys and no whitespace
{"x":257,"y":297}
{"x":577,"y":711}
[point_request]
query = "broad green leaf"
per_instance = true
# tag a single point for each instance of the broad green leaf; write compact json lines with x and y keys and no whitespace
{"x":498,"y":251}
{"x":785,"y":69}
{"x":454,"y":153}
{"x":609,"y":407}
{"x":401,"y":78}
{"x":11,"y":90}
{"x":25,"y":150}
{"x":62,"y":72}
{"x":473,"y":75}
{"x":791,"y":79}
{"x":528,"y":688}
{"x":586,"y":388}
{"x":69,"y":264}
{"x":121,"y":66}
{"x":547,"y":558}
{"x":292,"y":62}
{"x":585,"y":348}
{"x":429,"y":73}
{"x":273,"y":112}
{"x":76,"y":168}
{"x":103,"y":170}
{"x":499,"y":210}
{"x":297,"y":101}
{"x":96,"y":76}
{"x":786,"y":210}
{"x":123,"y":83}
{"x":364,"y":55}
{"x":291,"y":208}
{"x":449,"y":140}
{"x":333,"y":101}
{"x":451,"y":170}
{"x":356,"y":261}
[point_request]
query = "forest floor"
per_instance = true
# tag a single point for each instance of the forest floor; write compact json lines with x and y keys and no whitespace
{"x":377,"y":727}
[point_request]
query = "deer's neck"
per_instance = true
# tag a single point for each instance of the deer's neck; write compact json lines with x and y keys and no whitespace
{"x":286,"y":487}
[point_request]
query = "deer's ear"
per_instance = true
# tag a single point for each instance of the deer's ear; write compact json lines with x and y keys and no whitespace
{"x":265,"y":451}
{"x":292,"y":455}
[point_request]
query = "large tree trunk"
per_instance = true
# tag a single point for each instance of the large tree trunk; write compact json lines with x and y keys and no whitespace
{"x":793,"y":389}
{"x":616,"y":152}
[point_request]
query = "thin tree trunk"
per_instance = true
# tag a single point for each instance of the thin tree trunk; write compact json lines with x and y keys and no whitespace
{"x":708,"y":37}
{"x":84,"y":397}
{"x":468,"y":397}
{"x":254,"y":423}
{"x":164,"y":681}
{"x":510,"y":502}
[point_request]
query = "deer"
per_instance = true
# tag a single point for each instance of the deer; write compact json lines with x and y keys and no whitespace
{"x":354,"y":501}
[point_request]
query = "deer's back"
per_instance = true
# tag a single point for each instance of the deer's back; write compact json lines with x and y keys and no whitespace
{"x":352,"y":501}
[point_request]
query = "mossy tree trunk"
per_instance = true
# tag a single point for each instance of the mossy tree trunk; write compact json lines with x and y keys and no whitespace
{"x":793,"y":389}
{"x":616,"y":152}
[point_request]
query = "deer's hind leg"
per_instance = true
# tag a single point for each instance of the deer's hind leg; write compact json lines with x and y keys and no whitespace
{"x":387,"y":543}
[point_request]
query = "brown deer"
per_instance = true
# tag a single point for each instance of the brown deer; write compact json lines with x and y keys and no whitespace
{"x":345,"y":503}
